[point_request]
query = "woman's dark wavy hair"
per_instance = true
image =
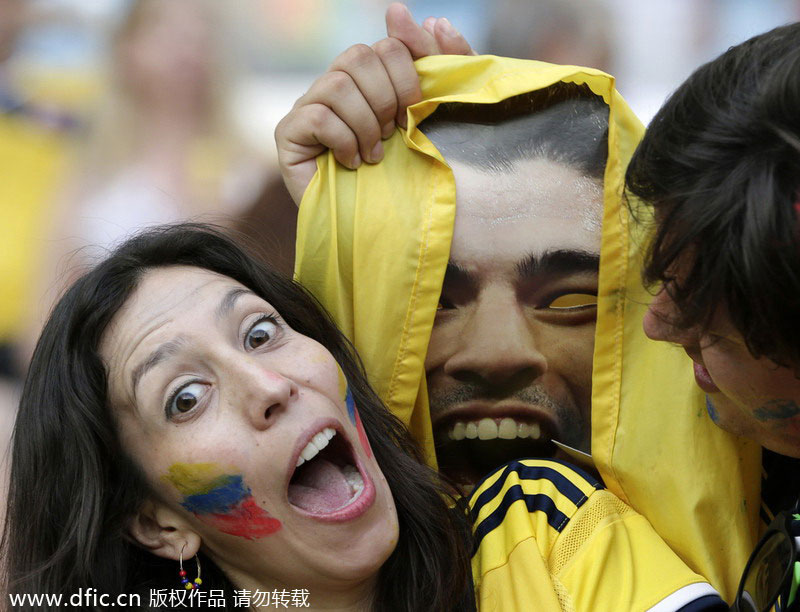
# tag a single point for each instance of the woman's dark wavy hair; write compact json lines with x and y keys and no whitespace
{"x":720,"y":165}
{"x":73,"y":490}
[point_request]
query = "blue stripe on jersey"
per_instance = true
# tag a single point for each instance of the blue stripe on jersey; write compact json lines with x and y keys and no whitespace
{"x":539,"y":501}
{"x":579,"y":471}
{"x":536,"y":472}
{"x":706,"y":603}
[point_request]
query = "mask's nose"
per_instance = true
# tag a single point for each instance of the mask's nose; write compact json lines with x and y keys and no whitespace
{"x":497,"y":346}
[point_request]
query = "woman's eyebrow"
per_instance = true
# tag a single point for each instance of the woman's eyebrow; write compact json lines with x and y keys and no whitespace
{"x":157,"y":356}
{"x":229,"y":301}
{"x":170,"y":348}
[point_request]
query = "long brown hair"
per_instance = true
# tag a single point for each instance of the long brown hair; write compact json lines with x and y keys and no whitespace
{"x":73,"y":490}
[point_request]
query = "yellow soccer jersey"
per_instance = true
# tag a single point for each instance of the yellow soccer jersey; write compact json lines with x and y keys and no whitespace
{"x":550,"y":537}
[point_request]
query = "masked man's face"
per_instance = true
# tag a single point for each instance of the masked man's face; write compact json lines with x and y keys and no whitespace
{"x":509,"y":363}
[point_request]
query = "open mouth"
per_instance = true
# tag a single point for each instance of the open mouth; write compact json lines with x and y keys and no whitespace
{"x":327,"y":481}
{"x":467,"y":450}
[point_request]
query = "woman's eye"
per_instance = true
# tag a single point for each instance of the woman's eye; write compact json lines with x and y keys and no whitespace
{"x":260,"y":333}
{"x":572,"y":300}
{"x":185,"y":398}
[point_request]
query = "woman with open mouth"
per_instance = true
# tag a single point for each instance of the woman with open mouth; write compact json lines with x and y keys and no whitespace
{"x":183,"y":402}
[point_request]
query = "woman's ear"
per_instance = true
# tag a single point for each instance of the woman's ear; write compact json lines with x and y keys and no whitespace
{"x":163,"y":531}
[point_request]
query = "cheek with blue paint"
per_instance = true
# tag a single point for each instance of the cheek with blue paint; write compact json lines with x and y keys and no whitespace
{"x":712,"y":411}
{"x":352,"y":412}
{"x":221,"y":499}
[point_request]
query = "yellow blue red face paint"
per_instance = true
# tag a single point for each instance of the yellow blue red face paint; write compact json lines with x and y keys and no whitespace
{"x":352,"y":412}
{"x":221,"y":499}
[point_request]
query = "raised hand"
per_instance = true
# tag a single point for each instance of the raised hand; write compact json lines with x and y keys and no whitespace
{"x":362,"y":98}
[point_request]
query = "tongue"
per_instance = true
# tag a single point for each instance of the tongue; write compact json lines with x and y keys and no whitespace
{"x":320,"y":487}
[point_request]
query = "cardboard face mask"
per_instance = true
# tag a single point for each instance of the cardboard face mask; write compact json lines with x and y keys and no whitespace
{"x":509,"y":362}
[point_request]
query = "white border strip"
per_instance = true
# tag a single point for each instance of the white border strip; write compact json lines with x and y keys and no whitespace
{"x":683,"y":596}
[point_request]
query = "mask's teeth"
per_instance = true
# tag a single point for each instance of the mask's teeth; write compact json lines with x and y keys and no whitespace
{"x":489,"y":429}
{"x":317,"y":443}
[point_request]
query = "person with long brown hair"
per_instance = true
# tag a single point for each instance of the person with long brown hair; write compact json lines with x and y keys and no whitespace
{"x":184,"y":401}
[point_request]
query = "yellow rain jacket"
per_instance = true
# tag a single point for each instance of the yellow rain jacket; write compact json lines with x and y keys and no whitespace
{"x":373,"y":244}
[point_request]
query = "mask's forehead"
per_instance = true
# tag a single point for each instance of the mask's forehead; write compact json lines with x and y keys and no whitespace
{"x":529,"y":190}
{"x":533,"y":163}
{"x":535,"y":207}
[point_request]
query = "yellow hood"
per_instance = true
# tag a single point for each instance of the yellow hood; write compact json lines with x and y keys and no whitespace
{"x":373,"y":244}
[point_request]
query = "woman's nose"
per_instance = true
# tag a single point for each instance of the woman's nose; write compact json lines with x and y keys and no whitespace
{"x":262,"y":392}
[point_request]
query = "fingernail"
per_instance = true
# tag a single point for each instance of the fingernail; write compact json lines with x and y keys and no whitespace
{"x":356,"y":162}
{"x":448,"y":28}
{"x":377,"y":152}
{"x":388,"y":129}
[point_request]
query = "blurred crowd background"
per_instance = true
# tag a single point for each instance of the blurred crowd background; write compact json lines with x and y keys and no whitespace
{"x":115,"y":114}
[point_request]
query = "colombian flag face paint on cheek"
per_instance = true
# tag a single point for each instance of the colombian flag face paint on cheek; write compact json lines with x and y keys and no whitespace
{"x":352,"y":412}
{"x":221,"y":499}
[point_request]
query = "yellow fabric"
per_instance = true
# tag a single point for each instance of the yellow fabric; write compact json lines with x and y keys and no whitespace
{"x":32,"y":159}
{"x":373,"y":245}
{"x":652,"y":440}
{"x":581,"y":549}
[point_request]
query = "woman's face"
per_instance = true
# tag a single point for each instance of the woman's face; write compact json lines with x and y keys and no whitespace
{"x":218,"y":400}
{"x":750,"y":397}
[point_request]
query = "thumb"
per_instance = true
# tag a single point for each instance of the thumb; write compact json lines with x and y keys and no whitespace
{"x":449,"y":40}
{"x":401,"y":25}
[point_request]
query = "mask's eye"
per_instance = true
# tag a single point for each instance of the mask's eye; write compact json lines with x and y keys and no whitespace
{"x":261,"y":332}
{"x":573,"y":300}
{"x":185,"y":398}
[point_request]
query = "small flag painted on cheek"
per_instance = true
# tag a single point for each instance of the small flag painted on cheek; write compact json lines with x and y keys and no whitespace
{"x":221,"y":500}
{"x":352,"y":412}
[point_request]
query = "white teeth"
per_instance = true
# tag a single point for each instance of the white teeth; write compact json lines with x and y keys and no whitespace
{"x":320,"y":441}
{"x":507,"y":430}
{"x":489,"y":429}
{"x":317,"y":443}
{"x":354,"y":479}
{"x":310,"y":451}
